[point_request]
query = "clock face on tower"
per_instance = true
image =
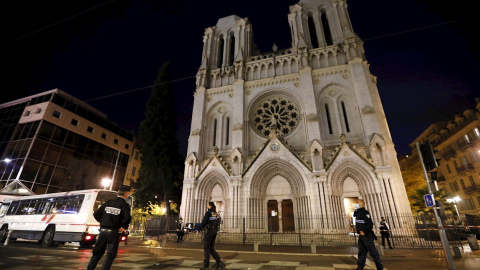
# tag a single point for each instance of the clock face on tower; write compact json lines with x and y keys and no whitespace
{"x":274,"y":147}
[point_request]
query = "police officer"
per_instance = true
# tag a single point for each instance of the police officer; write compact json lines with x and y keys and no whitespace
{"x":180,"y":232}
{"x":211,"y":222}
{"x":114,"y":217}
{"x":364,"y":225}
{"x":385,"y":232}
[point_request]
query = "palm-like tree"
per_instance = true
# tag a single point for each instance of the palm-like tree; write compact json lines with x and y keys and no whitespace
{"x":418,"y":202}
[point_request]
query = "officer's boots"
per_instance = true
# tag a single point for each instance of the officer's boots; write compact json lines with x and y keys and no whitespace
{"x":220,"y":265}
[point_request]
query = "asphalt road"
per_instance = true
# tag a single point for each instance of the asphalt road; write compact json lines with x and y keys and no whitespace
{"x":149,"y":254}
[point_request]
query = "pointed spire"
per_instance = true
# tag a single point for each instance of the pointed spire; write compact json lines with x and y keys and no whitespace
{"x":239,"y":56}
{"x":301,"y":42}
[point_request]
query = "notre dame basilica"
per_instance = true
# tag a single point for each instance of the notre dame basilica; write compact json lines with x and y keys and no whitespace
{"x":292,"y":134}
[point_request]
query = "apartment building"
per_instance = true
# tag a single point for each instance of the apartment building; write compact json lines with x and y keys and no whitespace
{"x":54,"y":142}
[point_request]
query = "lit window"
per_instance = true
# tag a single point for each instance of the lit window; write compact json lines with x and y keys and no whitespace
{"x":90,"y":129}
{"x":56,"y":114}
{"x":477,"y":132}
{"x":466,"y":138}
{"x":471,"y":203}
{"x":455,"y":185}
{"x":74,"y":122}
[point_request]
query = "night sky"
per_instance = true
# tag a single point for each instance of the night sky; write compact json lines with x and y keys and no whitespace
{"x":421,"y":51}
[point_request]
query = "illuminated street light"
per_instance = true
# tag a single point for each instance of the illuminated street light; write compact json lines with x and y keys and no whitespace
{"x":106,"y":182}
{"x":6,"y":160}
{"x":454,"y":200}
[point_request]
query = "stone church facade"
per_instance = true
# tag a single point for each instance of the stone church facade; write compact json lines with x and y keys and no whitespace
{"x":291,"y":135}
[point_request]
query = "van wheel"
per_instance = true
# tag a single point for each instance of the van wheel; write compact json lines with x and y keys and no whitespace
{"x":47,"y":239}
{"x":3,"y":234}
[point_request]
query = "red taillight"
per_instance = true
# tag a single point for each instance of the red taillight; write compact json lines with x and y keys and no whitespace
{"x":88,"y":237}
{"x":123,"y":238}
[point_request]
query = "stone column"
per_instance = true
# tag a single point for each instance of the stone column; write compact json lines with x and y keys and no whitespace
{"x":280,"y":217}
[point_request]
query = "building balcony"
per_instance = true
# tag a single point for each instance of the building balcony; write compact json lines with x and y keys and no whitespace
{"x":465,"y":168}
{"x":465,"y":145}
{"x":448,"y":154}
{"x":471,"y":189}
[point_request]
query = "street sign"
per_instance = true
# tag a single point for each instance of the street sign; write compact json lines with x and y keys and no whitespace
{"x":429,"y":200}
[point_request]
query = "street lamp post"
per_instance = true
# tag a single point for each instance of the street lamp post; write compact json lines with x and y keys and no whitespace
{"x":106,"y":183}
{"x":454,"y":200}
{"x":6,"y":160}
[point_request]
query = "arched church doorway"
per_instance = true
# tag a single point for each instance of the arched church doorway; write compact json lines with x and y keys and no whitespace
{"x":217,"y":198}
{"x":351,"y":193}
{"x":280,"y":210}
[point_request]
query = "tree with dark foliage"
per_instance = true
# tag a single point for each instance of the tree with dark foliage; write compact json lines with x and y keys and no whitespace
{"x":160,"y":175}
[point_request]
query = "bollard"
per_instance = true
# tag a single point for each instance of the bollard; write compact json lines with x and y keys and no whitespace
{"x":456,"y":252}
{"x":314,"y":248}
{"x":164,"y":241}
{"x":472,"y":241}
{"x":255,"y":247}
{"x":8,"y":238}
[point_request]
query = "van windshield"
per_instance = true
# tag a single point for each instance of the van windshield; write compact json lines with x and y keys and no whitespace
{"x":4,"y":208}
{"x":102,"y":197}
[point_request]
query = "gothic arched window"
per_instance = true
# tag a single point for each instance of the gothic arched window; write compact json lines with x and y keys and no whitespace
{"x":214,"y":132}
{"x":345,"y":117}
{"x":313,"y":32}
{"x":326,"y":28}
{"x":329,"y":121}
{"x":221,"y":44}
{"x":227,"y":131}
{"x":231,"y":58}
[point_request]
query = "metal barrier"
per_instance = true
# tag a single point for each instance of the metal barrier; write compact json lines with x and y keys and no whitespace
{"x":406,"y":231}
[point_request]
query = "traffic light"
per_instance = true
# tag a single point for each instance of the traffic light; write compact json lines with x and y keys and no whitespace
{"x":440,"y":207}
{"x":428,"y":155}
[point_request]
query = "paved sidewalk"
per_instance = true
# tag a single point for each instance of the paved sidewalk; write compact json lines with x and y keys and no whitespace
{"x":400,"y":258}
{"x":150,"y":253}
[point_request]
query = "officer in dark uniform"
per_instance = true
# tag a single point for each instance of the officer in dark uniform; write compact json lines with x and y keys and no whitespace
{"x":385,"y":232}
{"x":180,"y":232}
{"x":114,"y":217}
{"x":211,"y":223}
{"x":364,"y":225}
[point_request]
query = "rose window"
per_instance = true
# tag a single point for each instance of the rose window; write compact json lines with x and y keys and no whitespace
{"x":280,"y":111}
